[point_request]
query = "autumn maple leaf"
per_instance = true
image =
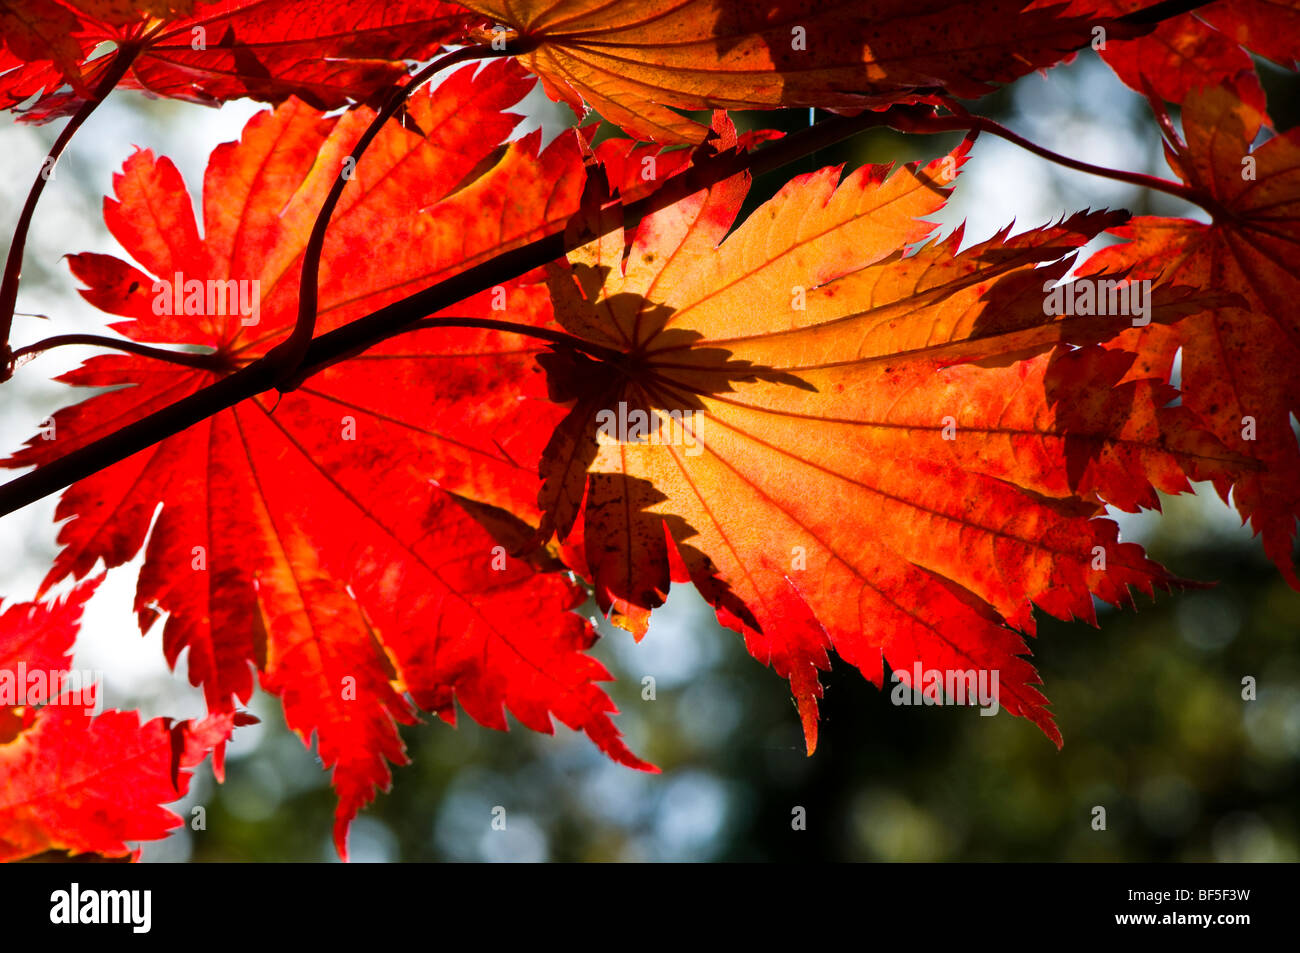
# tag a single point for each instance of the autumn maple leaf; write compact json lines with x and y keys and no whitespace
{"x":631,"y":62}
{"x":209,"y":52}
{"x":70,"y":781}
{"x":1240,"y":364}
{"x":1206,"y":47}
{"x":79,"y":784}
{"x":314,"y":534}
{"x":791,"y":418}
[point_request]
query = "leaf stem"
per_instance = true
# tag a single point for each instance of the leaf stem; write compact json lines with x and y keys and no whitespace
{"x":357,"y":336}
{"x":526,"y":330}
{"x":14,"y":263}
{"x":289,"y":353}
{"x":211,"y":362}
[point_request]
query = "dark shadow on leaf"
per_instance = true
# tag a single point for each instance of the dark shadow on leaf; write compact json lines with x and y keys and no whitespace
{"x":636,"y":395}
{"x":627,"y":548}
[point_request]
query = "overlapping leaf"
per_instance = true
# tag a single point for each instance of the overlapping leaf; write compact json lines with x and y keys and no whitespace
{"x":78,"y":784}
{"x":36,"y":637}
{"x":848,"y":441}
{"x":1206,"y":47}
{"x":72,"y":782}
{"x":1240,"y":365}
{"x":271,"y":509}
{"x":208,"y":52}
{"x":631,"y":62}
{"x":815,"y":442}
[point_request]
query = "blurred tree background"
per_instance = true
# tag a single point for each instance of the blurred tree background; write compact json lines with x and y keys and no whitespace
{"x":1156,"y":729}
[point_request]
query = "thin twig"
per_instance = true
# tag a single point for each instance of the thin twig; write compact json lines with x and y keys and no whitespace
{"x":964,"y":121}
{"x":526,"y":330}
{"x":289,"y":352}
{"x":14,"y":263}
{"x":208,"y":362}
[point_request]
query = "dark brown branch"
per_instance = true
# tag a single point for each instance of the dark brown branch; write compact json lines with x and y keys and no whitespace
{"x":1163,"y":11}
{"x":356,"y":337}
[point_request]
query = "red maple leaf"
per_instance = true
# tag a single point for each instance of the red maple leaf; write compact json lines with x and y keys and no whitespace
{"x":1208,"y":46}
{"x":849,"y":440}
{"x":636,"y":63}
{"x":796,"y":384}
{"x":208,"y":52}
{"x":72,"y":782}
{"x":79,"y":784}
{"x":314,"y":535}
{"x":1240,"y":364}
